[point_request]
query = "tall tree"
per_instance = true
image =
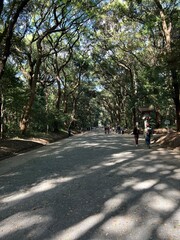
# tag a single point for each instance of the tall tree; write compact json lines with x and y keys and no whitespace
{"x":160,"y":19}
{"x":9,"y":14}
{"x":58,"y":21}
{"x":169,"y":16}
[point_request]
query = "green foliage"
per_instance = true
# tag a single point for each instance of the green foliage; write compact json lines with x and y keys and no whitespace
{"x":14,"y":95}
{"x":101,"y":62}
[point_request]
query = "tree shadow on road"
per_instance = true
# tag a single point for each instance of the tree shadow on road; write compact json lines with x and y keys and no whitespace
{"x":92,"y":187}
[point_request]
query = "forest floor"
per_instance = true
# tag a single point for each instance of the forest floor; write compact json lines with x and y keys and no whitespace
{"x":168,"y":140}
{"x":13,"y":146}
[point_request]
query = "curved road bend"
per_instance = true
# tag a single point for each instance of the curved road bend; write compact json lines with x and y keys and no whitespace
{"x":91,"y":187}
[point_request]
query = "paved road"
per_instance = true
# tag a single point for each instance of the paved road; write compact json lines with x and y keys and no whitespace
{"x":91,"y":187}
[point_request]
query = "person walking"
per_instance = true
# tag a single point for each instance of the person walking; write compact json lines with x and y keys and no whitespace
{"x":136,"y":135}
{"x":118,"y":130}
{"x":148,"y":132}
{"x":107,"y":129}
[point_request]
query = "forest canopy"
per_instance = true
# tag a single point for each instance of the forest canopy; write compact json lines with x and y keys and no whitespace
{"x":79,"y":64}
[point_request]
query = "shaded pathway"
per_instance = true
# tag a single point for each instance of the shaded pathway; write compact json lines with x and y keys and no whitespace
{"x":88,"y":187}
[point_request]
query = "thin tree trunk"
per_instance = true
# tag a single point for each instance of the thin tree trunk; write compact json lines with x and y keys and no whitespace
{"x":1,"y":114}
{"x":1,"y":6}
{"x":134,"y":116}
{"x":59,"y":94}
{"x":176,"y":94}
{"x":56,"y":122}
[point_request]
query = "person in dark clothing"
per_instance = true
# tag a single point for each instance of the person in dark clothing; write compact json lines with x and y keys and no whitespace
{"x":136,"y":134}
{"x":106,"y":129}
{"x":69,"y":131}
{"x":118,"y":130}
{"x":148,"y":133}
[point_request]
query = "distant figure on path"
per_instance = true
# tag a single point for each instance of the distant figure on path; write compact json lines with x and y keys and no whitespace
{"x":122,"y":130}
{"x":118,"y":130}
{"x":106,"y":129}
{"x":148,"y":132}
{"x":136,"y":134}
{"x":69,"y":131}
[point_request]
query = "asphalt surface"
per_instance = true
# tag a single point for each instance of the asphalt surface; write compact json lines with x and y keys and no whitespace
{"x":91,"y":187}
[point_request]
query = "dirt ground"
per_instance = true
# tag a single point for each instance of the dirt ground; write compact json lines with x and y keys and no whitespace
{"x":14,"y":146}
{"x":170,"y":140}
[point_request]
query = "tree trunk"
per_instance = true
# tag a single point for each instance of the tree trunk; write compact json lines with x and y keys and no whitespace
{"x":134,"y":116}
{"x":1,"y":114}
{"x":59,"y":94}
{"x":1,"y":6}
{"x":27,"y":109}
{"x":26,"y":114}
{"x":176,"y":94}
{"x":56,"y":126}
{"x":5,"y":44}
{"x":56,"y":122}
